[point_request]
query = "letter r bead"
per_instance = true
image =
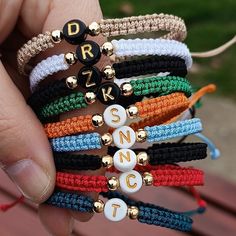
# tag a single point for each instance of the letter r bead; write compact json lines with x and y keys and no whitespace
{"x":88,"y":53}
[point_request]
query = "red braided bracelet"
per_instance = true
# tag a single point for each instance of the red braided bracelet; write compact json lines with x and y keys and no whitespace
{"x":162,"y":175}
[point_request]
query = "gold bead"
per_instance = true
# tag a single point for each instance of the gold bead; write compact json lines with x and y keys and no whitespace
{"x":97,"y":120}
{"x":126,"y":89}
{"x":94,"y":29}
{"x":113,"y":183}
{"x":107,"y":161}
{"x":106,"y":139}
{"x":141,"y":135}
{"x":147,"y":178}
{"x":71,"y":82}
{"x":143,"y":158}
{"x":133,"y":212}
{"x":90,"y":97}
{"x":56,"y":36}
{"x":107,"y":48}
{"x":98,"y":206}
{"x":108,"y":72}
{"x":132,"y":111}
{"x":70,"y":58}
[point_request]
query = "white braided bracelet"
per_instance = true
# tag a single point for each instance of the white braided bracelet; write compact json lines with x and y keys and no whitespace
{"x":121,"y":48}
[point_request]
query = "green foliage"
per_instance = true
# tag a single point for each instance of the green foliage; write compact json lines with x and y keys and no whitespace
{"x":210,"y":23}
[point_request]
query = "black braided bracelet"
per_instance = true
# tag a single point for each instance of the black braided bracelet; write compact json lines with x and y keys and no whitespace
{"x":59,"y":88}
{"x":45,"y":94}
{"x":156,"y":64}
{"x":159,"y":154}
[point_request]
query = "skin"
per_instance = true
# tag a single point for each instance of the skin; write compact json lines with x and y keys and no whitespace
{"x":22,"y":138}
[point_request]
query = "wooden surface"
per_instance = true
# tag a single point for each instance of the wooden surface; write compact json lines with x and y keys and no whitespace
{"x":220,"y":218}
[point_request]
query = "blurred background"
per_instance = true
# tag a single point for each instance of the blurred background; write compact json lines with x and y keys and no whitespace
{"x":210,"y":24}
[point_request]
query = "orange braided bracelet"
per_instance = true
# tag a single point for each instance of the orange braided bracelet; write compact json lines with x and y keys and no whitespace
{"x":154,"y":110}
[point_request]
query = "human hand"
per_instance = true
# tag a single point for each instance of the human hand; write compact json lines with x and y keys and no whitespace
{"x":25,"y":152}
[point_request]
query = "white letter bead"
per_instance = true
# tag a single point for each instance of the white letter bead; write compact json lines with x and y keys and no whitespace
{"x":115,"y":116}
{"x":130,"y":182}
{"x":115,"y":209}
{"x":125,"y":160}
{"x":124,"y":137}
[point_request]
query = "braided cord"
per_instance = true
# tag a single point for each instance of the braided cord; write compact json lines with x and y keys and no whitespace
{"x":167,"y":153}
{"x":148,"y":213}
{"x":161,"y":86}
{"x":45,"y":68}
{"x":69,"y":126}
{"x":71,"y":201}
{"x":170,"y":153}
{"x":76,"y":143}
{"x":155,"y":215}
{"x":159,"y":105}
{"x":163,"y":175}
{"x":159,"y":154}
{"x":77,"y":161}
{"x":48,"y":93}
{"x":174,"y":65}
{"x":144,"y":47}
{"x":32,"y":48}
{"x":173,"y":130}
{"x":175,"y":26}
{"x":63,"y":104}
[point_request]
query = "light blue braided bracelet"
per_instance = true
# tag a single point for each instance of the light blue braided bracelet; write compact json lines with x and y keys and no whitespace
{"x":153,"y":134}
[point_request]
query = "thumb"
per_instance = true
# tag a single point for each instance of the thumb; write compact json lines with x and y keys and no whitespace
{"x":25,"y":153}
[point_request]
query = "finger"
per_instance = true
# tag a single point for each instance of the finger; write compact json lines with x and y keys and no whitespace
{"x":24,"y":149}
{"x":57,"y":221}
{"x":8,"y":21}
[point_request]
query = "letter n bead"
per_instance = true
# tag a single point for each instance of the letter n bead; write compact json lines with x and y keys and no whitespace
{"x":115,"y":209}
{"x":115,"y":116}
{"x":124,"y":137}
{"x":124,"y":160}
{"x":74,"y":31}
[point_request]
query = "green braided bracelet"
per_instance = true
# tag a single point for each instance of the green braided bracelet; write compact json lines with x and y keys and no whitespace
{"x":63,"y":104}
{"x":161,"y":86}
{"x":152,"y":85}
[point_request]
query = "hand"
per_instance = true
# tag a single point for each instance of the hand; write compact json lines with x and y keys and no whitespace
{"x":25,"y":152}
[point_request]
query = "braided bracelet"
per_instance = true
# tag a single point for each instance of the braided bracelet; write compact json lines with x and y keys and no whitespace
{"x":158,"y":85}
{"x":109,"y":93}
{"x":116,"y":209}
{"x":125,"y":137}
{"x":132,"y":181}
{"x":75,"y":31}
{"x":164,"y":107}
{"x":157,"y":154}
{"x":89,"y":53}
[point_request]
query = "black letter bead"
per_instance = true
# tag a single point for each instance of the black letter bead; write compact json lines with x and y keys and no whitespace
{"x":88,"y":53}
{"x":108,"y":93}
{"x":74,"y":31}
{"x":89,"y":77}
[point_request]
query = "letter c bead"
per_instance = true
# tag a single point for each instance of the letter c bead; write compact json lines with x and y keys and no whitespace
{"x":115,"y":209}
{"x":130,"y":182}
{"x":124,"y":137}
{"x":115,"y":116}
{"x":124,"y":160}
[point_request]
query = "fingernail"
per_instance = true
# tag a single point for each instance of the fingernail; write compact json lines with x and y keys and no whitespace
{"x":30,"y":178}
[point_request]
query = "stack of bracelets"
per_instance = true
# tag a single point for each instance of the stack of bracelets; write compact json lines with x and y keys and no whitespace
{"x":145,"y":94}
